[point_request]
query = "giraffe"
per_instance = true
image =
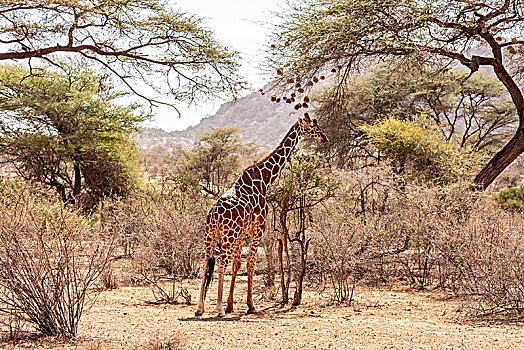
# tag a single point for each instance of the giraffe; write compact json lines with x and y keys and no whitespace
{"x":243,"y":209}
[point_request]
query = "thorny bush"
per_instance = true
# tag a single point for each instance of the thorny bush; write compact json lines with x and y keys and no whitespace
{"x":49,"y":260}
{"x":445,"y":237}
{"x":161,"y":232}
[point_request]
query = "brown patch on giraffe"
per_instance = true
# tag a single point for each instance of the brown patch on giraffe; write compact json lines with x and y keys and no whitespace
{"x":247,"y":179}
{"x":266,"y":174}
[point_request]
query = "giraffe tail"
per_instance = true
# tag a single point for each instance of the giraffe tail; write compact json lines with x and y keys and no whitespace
{"x":209,"y":274}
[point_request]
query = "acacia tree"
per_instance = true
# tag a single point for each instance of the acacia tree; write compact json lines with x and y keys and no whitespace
{"x":469,"y":112}
{"x":300,"y":188}
{"x":339,"y":35}
{"x":212,"y":163}
{"x":63,"y":130}
{"x":137,"y":41}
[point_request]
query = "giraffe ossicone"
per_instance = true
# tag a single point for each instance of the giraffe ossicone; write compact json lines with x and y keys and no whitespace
{"x":243,"y":210}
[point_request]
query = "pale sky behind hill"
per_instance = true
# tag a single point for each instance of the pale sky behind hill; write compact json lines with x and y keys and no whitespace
{"x":241,"y":25}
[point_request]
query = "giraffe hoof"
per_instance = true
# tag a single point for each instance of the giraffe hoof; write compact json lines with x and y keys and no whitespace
{"x":221,"y":314}
{"x":199,"y":313}
{"x":251,"y":311}
{"x":229,"y":310}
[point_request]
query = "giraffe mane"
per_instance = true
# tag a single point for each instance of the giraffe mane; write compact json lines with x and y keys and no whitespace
{"x":257,"y":163}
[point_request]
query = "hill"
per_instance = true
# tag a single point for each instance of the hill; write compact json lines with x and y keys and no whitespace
{"x":261,"y":122}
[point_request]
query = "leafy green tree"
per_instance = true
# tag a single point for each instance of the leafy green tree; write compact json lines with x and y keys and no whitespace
{"x":421,"y":150}
{"x":511,"y":198}
{"x":64,"y":130}
{"x":302,"y":186}
{"x":136,"y":41}
{"x":471,"y":112}
{"x":315,"y":37}
{"x":212,"y":163}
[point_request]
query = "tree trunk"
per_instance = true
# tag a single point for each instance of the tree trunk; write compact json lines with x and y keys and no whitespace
{"x":515,"y":146}
{"x":501,"y":160}
{"x":300,"y":280}
{"x":60,"y":189}
{"x":288,"y":262}
{"x":77,"y":187}
{"x":285,"y":296}
{"x":269,"y":247}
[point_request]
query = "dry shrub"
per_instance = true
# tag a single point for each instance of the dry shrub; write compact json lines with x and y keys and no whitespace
{"x":483,"y":258}
{"x":49,"y":258}
{"x":108,"y":279}
{"x":349,"y":248}
{"x":162,"y":234}
{"x":160,"y":341}
{"x":11,"y":321}
{"x":440,"y":237}
{"x":335,"y":254}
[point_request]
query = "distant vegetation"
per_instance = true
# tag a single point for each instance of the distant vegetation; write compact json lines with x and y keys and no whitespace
{"x":512,"y":198}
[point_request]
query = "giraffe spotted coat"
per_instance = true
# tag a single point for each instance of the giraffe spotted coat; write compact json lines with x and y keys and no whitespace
{"x":243,"y":210}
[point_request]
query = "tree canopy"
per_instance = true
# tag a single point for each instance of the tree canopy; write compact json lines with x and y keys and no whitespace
{"x":63,"y":130}
{"x":316,"y":37}
{"x":421,"y":150}
{"x":139,"y":42}
{"x":471,"y":112}
{"x":212,"y":163}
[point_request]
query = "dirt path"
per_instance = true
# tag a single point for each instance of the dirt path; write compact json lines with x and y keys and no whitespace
{"x":380,"y":319}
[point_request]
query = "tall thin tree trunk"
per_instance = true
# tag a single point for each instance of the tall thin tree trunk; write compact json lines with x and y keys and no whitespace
{"x":300,"y":280}
{"x":515,"y":146}
{"x":501,"y":160}
{"x":77,"y":187}
{"x":281,"y":270}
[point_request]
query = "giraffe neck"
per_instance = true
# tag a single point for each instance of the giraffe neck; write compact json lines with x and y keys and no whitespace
{"x":276,"y":160}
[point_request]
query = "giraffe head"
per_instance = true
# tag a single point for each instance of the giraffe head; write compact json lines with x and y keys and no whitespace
{"x":310,"y":128}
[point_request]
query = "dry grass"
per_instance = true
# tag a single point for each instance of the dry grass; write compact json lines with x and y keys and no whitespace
{"x":392,"y":318}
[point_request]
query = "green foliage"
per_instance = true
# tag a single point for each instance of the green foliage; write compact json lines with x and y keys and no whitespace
{"x":331,"y":39}
{"x":470,"y":112}
{"x":135,"y":41}
{"x":65,"y":131}
{"x":111,"y":170}
{"x":302,"y":184}
{"x":316,"y":36}
{"x":212,"y":163}
{"x":422,"y":150}
{"x":512,"y":198}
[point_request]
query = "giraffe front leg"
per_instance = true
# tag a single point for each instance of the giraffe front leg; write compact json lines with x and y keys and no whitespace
{"x":236,"y":266}
{"x":251,"y":267}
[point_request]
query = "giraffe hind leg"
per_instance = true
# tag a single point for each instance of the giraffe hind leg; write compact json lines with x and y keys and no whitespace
{"x":207,"y":266}
{"x":255,"y":241}
{"x":236,"y":266}
{"x":207,"y":272}
{"x":223,"y":260}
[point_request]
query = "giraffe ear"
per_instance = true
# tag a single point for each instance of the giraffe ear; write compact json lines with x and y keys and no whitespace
{"x":300,"y":120}
{"x":306,"y":118}
{"x":315,"y":122}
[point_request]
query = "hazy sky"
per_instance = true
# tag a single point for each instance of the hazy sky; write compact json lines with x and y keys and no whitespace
{"x":237,"y":24}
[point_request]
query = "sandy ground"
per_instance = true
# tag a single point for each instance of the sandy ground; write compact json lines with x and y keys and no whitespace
{"x":379,"y":319}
